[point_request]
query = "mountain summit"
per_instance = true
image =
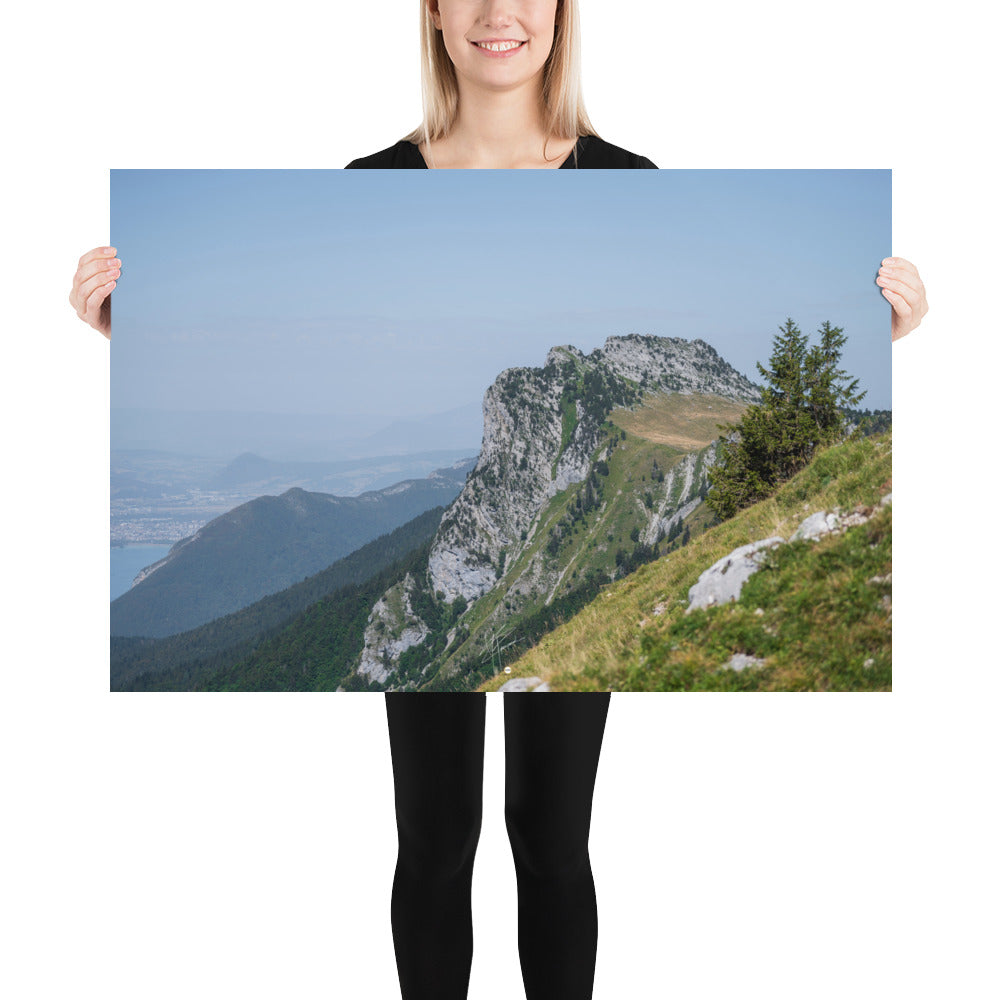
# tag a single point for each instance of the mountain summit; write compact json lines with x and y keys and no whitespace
{"x":579,"y":457}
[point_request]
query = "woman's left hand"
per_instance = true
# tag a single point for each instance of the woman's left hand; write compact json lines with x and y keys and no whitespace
{"x":902,"y":286}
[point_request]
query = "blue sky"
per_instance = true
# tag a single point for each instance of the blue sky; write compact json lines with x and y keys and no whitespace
{"x":404,"y":293}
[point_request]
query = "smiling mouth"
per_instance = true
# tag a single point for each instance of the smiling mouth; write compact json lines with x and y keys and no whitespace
{"x":499,"y":46}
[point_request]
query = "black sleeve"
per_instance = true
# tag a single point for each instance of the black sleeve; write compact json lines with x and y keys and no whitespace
{"x":597,"y":154}
{"x":402,"y":155}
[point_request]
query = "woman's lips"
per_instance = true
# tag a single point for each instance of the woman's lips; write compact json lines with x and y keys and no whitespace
{"x":498,"y":48}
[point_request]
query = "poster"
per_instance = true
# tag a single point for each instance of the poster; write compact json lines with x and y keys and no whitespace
{"x":308,"y":364}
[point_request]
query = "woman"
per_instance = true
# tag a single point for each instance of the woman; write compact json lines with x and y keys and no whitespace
{"x":501,"y":89}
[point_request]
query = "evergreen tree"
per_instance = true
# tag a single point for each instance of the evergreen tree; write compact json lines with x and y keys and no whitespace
{"x":800,"y":409}
{"x":828,"y":395}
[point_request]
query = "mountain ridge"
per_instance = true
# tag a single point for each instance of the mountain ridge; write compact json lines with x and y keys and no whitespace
{"x":199,"y":655}
{"x":639,"y":635}
{"x":265,"y":545}
{"x":547,"y":435}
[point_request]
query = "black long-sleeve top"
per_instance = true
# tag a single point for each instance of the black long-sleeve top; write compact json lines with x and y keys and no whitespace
{"x":590,"y":153}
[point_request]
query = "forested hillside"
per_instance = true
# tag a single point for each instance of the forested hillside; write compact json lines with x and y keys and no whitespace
{"x":188,"y":660}
{"x":263,"y":547}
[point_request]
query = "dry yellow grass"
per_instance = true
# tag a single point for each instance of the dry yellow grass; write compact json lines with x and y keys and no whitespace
{"x":610,"y":628}
{"x":594,"y":636}
{"x":684,"y":422}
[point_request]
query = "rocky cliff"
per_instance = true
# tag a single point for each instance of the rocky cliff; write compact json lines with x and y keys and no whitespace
{"x":546,"y":430}
{"x":540,"y":429}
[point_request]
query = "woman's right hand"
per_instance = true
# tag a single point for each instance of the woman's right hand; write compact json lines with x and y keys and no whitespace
{"x":95,"y":278}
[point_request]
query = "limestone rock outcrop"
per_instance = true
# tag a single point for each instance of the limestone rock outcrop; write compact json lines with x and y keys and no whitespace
{"x":542,"y":431}
{"x":723,"y":581}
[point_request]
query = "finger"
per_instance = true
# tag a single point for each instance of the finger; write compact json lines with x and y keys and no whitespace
{"x":96,"y":254}
{"x":95,"y":281}
{"x":897,"y":267}
{"x":89,"y":276}
{"x":94,"y":301}
{"x":900,"y":262}
{"x":95,"y":268}
{"x":900,"y":287}
{"x":916,"y":298}
{"x":899,"y":305}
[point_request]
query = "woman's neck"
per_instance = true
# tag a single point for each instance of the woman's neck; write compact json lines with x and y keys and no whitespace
{"x":498,"y":130}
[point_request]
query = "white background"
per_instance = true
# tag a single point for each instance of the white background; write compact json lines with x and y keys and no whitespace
{"x":214,"y":846}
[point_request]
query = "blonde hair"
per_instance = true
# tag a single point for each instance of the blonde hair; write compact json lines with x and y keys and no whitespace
{"x":565,"y":115}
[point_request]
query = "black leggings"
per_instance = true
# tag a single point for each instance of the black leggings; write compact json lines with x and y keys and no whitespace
{"x":553,"y":742}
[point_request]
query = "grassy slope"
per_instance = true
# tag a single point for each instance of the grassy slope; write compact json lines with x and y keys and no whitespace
{"x":663,"y":429}
{"x":684,"y":422}
{"x":821,"y":619}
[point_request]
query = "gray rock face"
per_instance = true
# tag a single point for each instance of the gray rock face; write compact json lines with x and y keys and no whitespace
{"x":829,"y":522}
{"x":740,"y":661}
{"x":681,"y":365}
{"x":457,"y":572}
{"x":524,"y":460}
{"x":541,"y":428}
{"x":522,"y":684}
{"x":723,"y":580}
{"x":816,"y":525}
{"x":391,"y":630}
{"x":682,"y":475}
{"x":522,"y":465}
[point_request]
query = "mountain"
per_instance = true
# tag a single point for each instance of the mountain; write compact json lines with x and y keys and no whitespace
{"x":303,"y":436}
{"x":587,"y":464}
{"x":250,"y":471}
{"x":234,"y":647}
{"x":572,"y":549}
{"x":264,"y":546}
{"x":455,"y":429}
{"x":817,"y":616}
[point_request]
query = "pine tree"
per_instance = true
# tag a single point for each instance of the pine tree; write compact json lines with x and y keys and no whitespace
{"x":828,"y":396}
{"x":800,"y":409}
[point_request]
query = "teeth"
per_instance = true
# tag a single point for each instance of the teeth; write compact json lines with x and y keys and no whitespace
{"x":498,"y":46}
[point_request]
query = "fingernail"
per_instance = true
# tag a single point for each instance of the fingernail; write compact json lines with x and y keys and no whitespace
{"x":109,"y":250}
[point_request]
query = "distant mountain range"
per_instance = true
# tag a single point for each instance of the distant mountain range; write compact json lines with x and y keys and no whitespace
{"x":298,"y":437}
{"x":249,"y":470}
{"x":266,"y":545}
{"x":159,"y":475}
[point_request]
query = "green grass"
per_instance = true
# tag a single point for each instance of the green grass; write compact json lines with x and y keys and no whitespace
{"x":567,"y":408}
{"x":810,"y":612}
{"x":820,"y":620}
{"x":584,"y":549}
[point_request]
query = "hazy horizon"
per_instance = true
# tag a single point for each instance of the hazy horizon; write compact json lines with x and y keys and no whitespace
{"x":368,"y":297}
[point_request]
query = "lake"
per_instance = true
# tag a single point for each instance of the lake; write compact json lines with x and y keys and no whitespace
{"x":127,"y":560}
